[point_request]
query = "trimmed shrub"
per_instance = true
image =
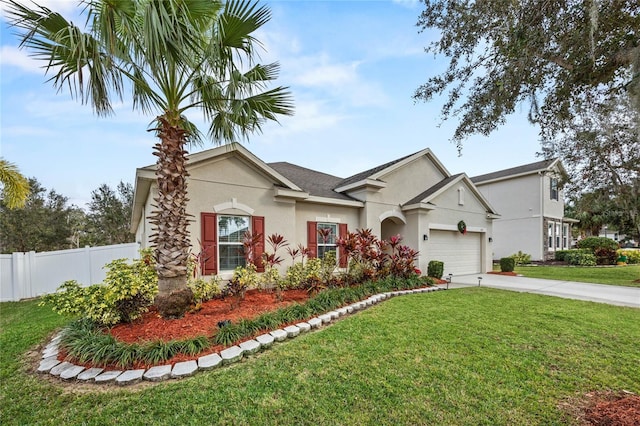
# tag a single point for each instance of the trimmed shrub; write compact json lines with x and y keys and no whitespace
{"x":435,"y":269}
{"x":507,"y":264}
{"x":633,"y":256}
{"x":605,"y":256}
{"x":561,"y":255}
{"x":593,"y":243}
{"x":580,"y":258}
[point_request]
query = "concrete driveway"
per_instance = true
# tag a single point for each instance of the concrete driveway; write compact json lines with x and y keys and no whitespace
{"x":611,"y":294}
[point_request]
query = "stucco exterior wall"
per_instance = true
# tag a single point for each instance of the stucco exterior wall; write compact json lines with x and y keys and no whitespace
{"x":516,"y":198}
{"x":513,"y":235}
{"x":552,"y":208}
{"x":449,"y":212}
{"x":144,"y":231}
{"x":519,"y":203}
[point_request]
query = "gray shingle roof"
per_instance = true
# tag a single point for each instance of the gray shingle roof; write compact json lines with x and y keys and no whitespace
{"x":363,"y":175}
{"x":444,"y":182}
{"x":527,"y":168}
{"x":315,"y":183}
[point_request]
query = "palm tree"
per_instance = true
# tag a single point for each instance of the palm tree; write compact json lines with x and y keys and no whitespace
{"x":174,"y":56}
{"x":15,"y":186}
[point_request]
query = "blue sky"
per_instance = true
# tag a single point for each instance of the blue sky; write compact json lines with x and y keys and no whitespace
{"x":352,"y":67}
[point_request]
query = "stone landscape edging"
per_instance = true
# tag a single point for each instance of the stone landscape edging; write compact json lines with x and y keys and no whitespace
{"x":66,"y":371}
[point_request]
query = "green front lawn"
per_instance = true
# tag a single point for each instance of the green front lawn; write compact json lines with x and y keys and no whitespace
{"x":457,"y":357}
{"x":614,"y":275}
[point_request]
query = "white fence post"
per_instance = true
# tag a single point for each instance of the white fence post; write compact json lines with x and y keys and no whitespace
{"x":87,"y":261}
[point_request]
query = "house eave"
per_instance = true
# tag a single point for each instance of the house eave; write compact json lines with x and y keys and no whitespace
{"x":418,"y":206}
{"x":365,"y":183}
{"x":290,"y":194}
{"x":333,"y":201}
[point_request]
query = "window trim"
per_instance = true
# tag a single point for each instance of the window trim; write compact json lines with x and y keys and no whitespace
{"x":327,"y":246}
{"x":554,"y":192}
{"x":222,"y":244}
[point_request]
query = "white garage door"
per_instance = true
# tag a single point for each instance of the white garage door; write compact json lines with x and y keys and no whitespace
{"x":460,"y":253}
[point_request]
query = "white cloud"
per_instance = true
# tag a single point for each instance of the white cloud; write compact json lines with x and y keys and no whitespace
{"x":12,"y":56}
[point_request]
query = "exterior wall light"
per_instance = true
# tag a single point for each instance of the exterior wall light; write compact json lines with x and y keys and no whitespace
{"x":425,"y":237}
{"x":490,"y":239}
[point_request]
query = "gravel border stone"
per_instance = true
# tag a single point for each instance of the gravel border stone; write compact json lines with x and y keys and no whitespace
{"x":157,"y":373}
{"x":184,"y":369}
{"x":129,"y":377}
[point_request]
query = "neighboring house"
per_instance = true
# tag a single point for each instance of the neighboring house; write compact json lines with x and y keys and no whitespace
{"x":232,"y":191}
{"x":531,"y":207}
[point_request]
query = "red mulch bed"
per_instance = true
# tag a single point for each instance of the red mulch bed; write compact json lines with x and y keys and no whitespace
{"x":604,"y":408}
{"x":204,"y":322}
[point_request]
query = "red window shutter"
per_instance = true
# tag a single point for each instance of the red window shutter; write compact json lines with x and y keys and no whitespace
{"x":209,"y":239}
{"x":342,"y":233}
{"x":257,"y":226}
{"x":312,"y":239}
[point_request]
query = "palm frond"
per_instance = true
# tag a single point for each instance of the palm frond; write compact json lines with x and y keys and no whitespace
{"x":74,"y":56}
{"x":239,"y":20}
{"x":15,"y":186}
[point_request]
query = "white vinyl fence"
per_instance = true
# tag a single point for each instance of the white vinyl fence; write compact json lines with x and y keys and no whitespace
{"x":26,"y":275}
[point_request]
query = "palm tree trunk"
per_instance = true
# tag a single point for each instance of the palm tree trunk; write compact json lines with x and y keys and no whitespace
{"x":171,"y":237}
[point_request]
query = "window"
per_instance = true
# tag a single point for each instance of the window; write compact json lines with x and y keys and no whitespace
{"x":550,"y":236}
{"x":221,"y":238}
{"x":231,"y":229}
{"x":554,"y":189}
{"x":327,"y":233}
{"x":322,"y":237}
{"x":565,"y":236}
{"x":558,"y":235}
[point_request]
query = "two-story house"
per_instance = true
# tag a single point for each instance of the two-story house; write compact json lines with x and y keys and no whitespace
{"x":531,"y":206}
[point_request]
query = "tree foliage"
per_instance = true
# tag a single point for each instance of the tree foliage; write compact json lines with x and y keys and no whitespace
{"x":600,"y":147}
{"x":552,"y":55}
{"x":109,"y":215}
{"x":45,"y":222}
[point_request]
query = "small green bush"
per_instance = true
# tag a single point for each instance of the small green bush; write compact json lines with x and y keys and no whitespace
{"x":521,"y":258}
{"x":126,"y":293}
{"x":593,"y":243}
{"x":580,"y":258}
{"x":204,"y":290}
{"x":435,"y":269}
{"x":561,"y":255}
{"x":507,"y":264}
{"x":633,"y":256}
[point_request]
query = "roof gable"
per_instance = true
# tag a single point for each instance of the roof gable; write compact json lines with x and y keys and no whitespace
{"x":374,"y":175}
{"x":445,"y":184}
